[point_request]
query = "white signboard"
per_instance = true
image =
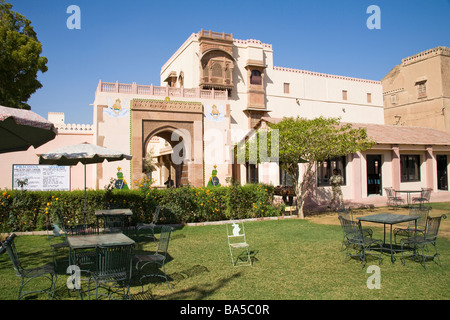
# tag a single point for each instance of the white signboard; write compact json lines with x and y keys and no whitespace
{"x":40,"y":177}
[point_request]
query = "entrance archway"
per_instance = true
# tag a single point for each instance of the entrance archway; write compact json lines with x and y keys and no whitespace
{"x":178,"y":123}
{"x":170,"y":149}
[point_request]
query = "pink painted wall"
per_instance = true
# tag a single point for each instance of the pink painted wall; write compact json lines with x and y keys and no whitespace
{"x":30,"y":157}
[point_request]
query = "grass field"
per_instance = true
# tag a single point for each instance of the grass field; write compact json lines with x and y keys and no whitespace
{"x":293,"y":259}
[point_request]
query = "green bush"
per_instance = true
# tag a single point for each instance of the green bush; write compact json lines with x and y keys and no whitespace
{"x":33,"y":210}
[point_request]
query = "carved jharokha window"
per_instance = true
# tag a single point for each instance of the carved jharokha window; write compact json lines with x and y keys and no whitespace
{"x":217,"y":71}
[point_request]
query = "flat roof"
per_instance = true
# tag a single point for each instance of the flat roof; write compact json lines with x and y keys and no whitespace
{"x":390,"y":134}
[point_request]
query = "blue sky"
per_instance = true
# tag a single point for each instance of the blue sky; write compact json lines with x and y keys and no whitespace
{"x":129,"y":41}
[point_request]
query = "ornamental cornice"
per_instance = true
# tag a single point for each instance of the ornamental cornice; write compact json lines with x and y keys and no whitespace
{"x":167,"y":105}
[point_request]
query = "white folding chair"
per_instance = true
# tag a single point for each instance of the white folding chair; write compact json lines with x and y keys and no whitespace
{"x":237,"y":243}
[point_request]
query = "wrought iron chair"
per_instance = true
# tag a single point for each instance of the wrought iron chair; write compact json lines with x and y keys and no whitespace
{"x":112,"y":272}
{"x":393,"y":200}
{"x":149,"y":226}
{"x":425,"y":195}
{"x":58,"y":232}
{"x":348,"y":214}
{"x":114,"y":224}
{"x":237,"y":242}
{"x":158,"y":258}
{"x":85,"y":259}
{"x":422,"y":241}
{"x":358,"y":241}
{"x":420,"y":212}
{"x":81,"y":229}
{"x":27,"y":275}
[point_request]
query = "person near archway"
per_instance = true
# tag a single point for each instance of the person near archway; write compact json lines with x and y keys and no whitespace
{"x":169,"y":182}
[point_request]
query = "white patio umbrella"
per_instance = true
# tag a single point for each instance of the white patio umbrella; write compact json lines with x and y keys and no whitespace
{"x":20,"y":129}
{"x":85,"y":153}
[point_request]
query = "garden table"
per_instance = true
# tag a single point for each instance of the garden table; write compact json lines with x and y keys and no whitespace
{"x":90,"y":241}
{"x":408,"y":194}
{"x":391,"y":219}
{"x":113,"y":214}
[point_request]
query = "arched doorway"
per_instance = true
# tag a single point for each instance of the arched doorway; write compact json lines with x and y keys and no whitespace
{"x":178,"y":123}
{"x":169,"y":152}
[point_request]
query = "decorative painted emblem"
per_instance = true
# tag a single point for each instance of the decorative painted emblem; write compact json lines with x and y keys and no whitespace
{"x":214,"y":113}
{"x":214,"y":180}
{"x":120,"y":182}
{"x":117,"y":108}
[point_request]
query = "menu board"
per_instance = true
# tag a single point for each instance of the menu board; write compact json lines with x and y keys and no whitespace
{"x":39,"y":177}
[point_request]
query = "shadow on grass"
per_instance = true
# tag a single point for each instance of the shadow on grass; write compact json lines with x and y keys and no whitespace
{"x":176,"y":277}
{"x":197,"y":292}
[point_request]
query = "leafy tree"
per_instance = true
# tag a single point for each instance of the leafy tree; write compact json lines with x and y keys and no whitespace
{"x":149,"y":162}
{"x":306,"y":142}
{"x":20,"y":58}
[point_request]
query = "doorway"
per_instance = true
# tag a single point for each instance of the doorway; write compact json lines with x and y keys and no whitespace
{"x":373,"y":174}
{"x":442,"y":179}
{"x":178,"y":123}
{"x":252,"y":173}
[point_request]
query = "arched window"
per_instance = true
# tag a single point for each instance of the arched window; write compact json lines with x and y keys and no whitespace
{"x":181,"y":79}
{"x":255,"y":77}
{"x":216,"y":70}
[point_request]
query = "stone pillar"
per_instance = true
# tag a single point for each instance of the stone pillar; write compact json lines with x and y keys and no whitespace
{"x":357,"y":177}
{"x":429,"y":160}
{"x":396,"y":171}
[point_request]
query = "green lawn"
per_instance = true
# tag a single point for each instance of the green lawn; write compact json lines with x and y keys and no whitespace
{"x":293,"y":259}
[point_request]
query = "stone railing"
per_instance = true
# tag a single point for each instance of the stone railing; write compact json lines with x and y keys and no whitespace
{"x":151,"y":90}
{"x":214,"y":34}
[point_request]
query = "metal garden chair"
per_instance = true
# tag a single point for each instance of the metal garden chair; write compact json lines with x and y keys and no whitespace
{"x":81,"y":229}
{"x":149,"y":226}
{"x":113,"y":267}
{"x":393,"y":200}
{"x":158,"y":258}
{"x":27,"y":275}
{"x":84,"y":259}
{"x":58,"y":232}
{"x":348,"y":215}
{"x":425,"y":195}
{"x":410,"y":230}
{"x":115,"y":223}
{"x":356,"y":240}
{"x":420,"y":242}
{"x":237,"y":242}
